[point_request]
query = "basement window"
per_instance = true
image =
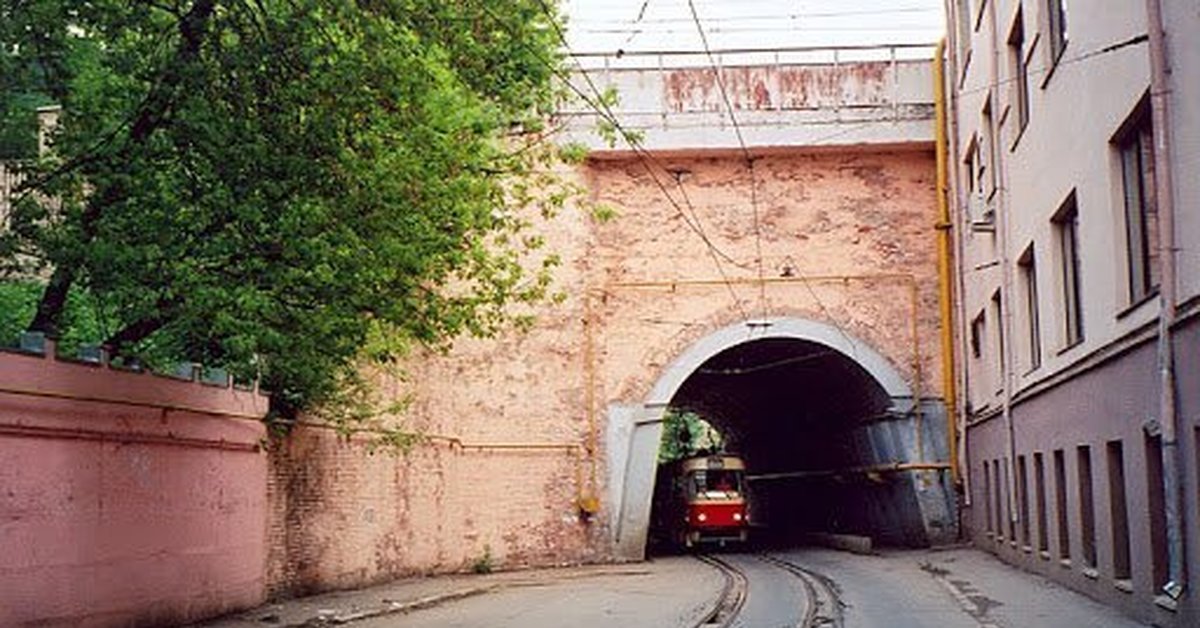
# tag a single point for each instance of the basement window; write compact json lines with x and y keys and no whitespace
{"x":1060,"y":506}
{"x":1023,"y":503}
{"x":1157,"y":506}
{"x":1118,"y":511}
{"x":1039,"y":490}
{"x":1087,"y":509}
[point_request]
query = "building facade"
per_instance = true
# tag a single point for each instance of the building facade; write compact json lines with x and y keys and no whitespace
{"x":1073,"y":130}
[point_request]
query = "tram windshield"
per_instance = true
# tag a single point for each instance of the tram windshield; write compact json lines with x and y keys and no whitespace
{"x":715,"y":484}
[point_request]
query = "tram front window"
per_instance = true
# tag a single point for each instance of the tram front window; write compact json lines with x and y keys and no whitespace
{"x":714,"y":484}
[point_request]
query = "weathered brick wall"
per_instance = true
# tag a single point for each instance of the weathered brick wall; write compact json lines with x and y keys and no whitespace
{"x":517,"y":417}
{"x":505,"y":485}
{"x":125,"y":498}
{"x":857,"y":225}
{"x":854,"y":228}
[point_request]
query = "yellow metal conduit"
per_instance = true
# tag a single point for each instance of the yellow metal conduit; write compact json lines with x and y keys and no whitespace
{"x":586,"y":500}
{"x":945,"y":294}
{"x":886,"y":467}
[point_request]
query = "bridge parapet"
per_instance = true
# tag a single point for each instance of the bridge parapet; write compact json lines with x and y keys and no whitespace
{"x":786,"y":98}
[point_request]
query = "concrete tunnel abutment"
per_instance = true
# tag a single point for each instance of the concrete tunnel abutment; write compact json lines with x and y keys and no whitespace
{"x":635,"y":430}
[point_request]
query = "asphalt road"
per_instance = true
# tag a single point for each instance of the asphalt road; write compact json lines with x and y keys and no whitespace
{"x":954,"y":588}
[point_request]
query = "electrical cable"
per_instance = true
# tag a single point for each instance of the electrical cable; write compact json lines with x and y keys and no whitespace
{"x":642,"y":155}
{"x":737,"y":129}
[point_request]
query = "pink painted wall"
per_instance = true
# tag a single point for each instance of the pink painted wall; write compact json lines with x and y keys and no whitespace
{"x":126,"y":498}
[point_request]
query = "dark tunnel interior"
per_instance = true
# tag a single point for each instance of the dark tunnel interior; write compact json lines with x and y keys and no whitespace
{"x":796,"y":412}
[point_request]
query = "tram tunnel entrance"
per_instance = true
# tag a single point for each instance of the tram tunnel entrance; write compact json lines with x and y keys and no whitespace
{"x":831,"y":438}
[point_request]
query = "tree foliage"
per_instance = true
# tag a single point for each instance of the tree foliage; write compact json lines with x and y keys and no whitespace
{"x":282,"y":186}
{"x":687,"y":434}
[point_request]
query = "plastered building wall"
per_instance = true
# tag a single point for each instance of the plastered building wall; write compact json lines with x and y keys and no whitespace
{"x":1035,"y":388}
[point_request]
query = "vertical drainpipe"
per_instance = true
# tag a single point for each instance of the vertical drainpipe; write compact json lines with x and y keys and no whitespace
{"x":1007,"y":369}
{"x":962,"y":377}
{"x":945,"y":303}
{"x":1164,"y":193}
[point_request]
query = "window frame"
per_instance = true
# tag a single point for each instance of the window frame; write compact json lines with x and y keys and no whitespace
{"x":1066,"y":235}
{"x":1027,"y":271}
{"x":1054,"y":23}
{"x":1133,"y":146}
{"x":1019,"y":69}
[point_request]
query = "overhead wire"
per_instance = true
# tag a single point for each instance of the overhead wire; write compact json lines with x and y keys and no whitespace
{"x":753,"y":187}
{"x":746,"y":370}
{"x":772,"y":17}
{"x":737,"y":129}
{"x":1083,"y":56}
{"x":601,"y":107}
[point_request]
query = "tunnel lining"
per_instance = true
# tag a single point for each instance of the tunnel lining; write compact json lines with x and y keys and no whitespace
{"x":643,"y":424}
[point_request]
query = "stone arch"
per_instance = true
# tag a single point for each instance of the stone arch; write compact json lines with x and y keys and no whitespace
{"x":635,"y":431}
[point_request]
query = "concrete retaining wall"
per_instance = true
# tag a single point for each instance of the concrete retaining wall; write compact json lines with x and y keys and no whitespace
{"x":126,"y":498}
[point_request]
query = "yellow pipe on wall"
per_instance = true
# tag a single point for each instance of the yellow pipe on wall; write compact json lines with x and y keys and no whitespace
{"x":942,"y":226}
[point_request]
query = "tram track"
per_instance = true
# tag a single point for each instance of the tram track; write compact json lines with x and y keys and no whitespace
{"x":733,"y":594}
{"x":824,"y":608}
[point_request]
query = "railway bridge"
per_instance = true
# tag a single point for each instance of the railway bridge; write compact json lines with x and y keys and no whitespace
{"x":773,"y":269}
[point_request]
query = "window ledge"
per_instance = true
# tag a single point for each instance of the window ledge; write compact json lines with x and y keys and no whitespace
{"x":1071,"y":345}
{"x":1092,"y":573}
{"x":1123,"y":584}
{"x":1054,"y":63}
{"x":1137,"y":305}
{"x":1166,"y":602}
{"x":1020,"y":133}
{"x":1044,"y":554}
{"x":1065,"y":563}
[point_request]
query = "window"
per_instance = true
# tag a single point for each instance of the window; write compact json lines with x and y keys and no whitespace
{"x":1135,"y":147}
{"x":1157,"y":507}
{"x":1056,"y":28}
{"x":1066,"y":231}
{"x":1039,"y":490}
{"x":987,"y":153}
{"x":963,"y":19}
{"x":1060,"y":505}
{"x":1019,"y":70}
{"x":1008,"y":503}
{"x":987,"y":495}
{"x":1023,"y":500}
{"x":1000,"y":502}
{"x":1118,"y":510}
{"x":998,"y":366}
{"x":978,"y":329}
{"x":1027,"y":269}
{"x":1087,"y":509}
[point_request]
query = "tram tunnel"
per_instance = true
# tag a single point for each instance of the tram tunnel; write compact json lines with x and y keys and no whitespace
{"x":820,"y":437}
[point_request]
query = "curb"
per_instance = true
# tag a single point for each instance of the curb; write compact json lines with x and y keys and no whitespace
{"x":390,"y":608}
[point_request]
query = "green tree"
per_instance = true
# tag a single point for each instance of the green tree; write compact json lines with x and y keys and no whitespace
{"x":687,"y":434}
{"x":283,"y":186}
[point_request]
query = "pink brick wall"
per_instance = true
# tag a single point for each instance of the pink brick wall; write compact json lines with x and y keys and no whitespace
{"x":146,"y":517}
{"x":126,"y":498}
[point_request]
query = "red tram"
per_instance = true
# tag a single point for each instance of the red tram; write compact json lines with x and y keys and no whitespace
{"x":702,"y":500}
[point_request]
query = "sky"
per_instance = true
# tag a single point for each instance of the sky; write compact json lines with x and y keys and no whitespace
{"x":639,"y":25}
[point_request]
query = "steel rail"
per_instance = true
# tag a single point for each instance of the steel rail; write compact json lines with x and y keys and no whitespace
{"x":824,"y":603}
{"x":732,"y":598}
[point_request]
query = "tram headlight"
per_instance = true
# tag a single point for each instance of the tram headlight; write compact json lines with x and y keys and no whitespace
{"x":737,"y":516}
{"x":701,"y":517}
